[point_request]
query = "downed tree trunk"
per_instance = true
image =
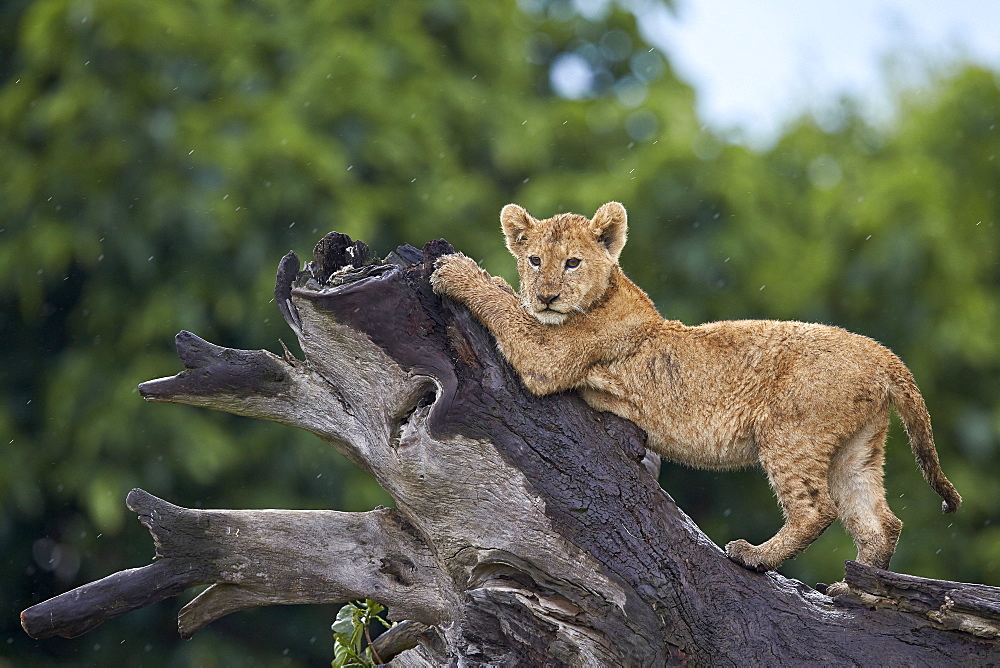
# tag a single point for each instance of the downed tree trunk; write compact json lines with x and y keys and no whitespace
{"x":527,"y":531}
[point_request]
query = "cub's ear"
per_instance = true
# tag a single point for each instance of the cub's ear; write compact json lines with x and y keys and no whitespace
{"x":610,"y":226}
{"x":515,"y":222}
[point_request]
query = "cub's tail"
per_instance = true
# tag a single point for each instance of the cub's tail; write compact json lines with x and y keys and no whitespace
{"x":912,"y":411}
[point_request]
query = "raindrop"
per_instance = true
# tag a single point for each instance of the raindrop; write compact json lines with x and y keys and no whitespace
{"x":47,"y":553}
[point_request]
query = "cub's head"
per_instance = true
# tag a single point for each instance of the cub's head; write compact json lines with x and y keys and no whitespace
{"x":565,"y":262}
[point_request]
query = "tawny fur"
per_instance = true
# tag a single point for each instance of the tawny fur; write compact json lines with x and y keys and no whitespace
{"x":809,"y":402}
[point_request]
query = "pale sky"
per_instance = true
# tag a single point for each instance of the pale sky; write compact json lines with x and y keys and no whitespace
{"x":755,"y":65}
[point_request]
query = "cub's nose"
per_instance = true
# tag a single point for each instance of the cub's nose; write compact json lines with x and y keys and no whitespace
{"x":547,"y":299}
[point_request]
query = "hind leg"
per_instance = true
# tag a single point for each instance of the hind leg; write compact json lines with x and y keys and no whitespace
{"x":857,"y":490}
{"x":798,"y":474}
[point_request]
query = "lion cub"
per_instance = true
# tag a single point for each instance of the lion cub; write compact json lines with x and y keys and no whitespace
{"x":809,"y":402}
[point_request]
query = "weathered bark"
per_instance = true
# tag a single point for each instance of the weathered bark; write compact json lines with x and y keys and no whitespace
{"x":527,"y":530}
{"x":243,"y":554}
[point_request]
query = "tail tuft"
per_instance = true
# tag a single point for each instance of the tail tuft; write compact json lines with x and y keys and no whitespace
{"x":952,"y":502}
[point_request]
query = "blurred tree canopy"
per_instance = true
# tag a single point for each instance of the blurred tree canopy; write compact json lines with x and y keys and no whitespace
{"x":160,"y":158}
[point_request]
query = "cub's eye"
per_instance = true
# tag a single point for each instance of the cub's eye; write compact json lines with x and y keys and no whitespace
{"x":573,"y":263}
{"x":535,"y":260}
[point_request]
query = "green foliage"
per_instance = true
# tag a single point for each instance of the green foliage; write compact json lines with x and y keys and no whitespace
{"x":352,"y":629}
{"x":160,"y":158}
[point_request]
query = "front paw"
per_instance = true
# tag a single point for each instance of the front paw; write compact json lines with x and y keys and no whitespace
{"x":746,"y":555}
{"x":453,"y":273}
